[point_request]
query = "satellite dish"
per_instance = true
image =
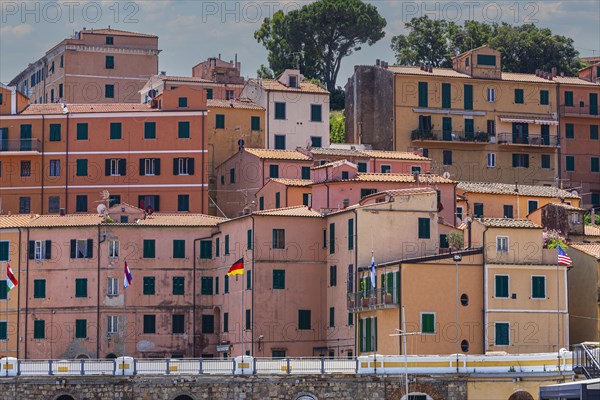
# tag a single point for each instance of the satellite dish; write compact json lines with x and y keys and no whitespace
{"x":575,"y":193}
{"x":446,"y":175}
{"x":101,"y":209}
{"x":152,"y":93}
{"x":309,"y":144}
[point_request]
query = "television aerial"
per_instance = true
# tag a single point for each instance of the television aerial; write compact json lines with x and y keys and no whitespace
{"x":101,"y":209}
{"x":446,"y":175}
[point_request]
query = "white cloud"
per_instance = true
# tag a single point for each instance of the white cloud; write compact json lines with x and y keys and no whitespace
{"x":17,"y":31}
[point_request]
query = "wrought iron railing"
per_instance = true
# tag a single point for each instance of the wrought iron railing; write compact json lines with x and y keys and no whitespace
{"x":586,"y":359}
{"x":451,"y":136}
{"x":19,"y":145}
{"x":531,"y":139}
{"x":372,"y":299}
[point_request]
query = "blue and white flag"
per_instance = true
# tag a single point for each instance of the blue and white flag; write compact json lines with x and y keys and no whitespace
{"x":373,"y":274}
{"x":128,"y":277}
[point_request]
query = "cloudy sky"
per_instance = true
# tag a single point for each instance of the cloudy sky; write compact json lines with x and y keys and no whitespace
{"x":191,"y":31}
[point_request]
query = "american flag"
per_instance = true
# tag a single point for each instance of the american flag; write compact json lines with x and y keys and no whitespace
{"x":563,"y":258}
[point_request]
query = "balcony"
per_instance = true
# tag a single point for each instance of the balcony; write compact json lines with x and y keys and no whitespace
{"x":528,"y":140}
{"x":372,"y":300}
{"x":451,"y":136}
{"x":19,"y":146}
{"x":578,"y":111}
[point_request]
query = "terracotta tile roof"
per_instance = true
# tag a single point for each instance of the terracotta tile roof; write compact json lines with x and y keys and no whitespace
{"x":38,"y":109}
{"x":272,"y":154}
{"x":509,"y":189}
{"x":160,"y":219}
{"x":591,"y":230}
{"x":573,"y":80}
{"x":565,"y":206}
{"x":275,"y":85}
{"x":508,"y":223}
{"x":395,"y":155}
{"x":293,"y":182}
{"x":450,"y":73}
{"x":73,"y":220}
{"x":334,"y":164}
{"x":593,"y":249}
{"x":16,"y":220}
{"x":173,"y":78}
{"x":400,"y":192}
{"x":327,"y":151}
{"x":233,"y":104}
{"x":401,"y":178}
{"x":297,"y":211}
{"x":117,"y":32}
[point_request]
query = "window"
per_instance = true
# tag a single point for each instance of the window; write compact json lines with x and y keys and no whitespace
{"x":538,"y":287}
{"x":331,"y":238}
{"x":532,"y":205}
{"x":459,"y":213}
{"x":279,"y":110}
{"x":427,"y":322}
{"x":316,"y":113}
{"x":386,"y":169}
{"x":206,"y":285}
{"x":110,"y":40}
{"x":491,"y":160}
{"x":478,"y":210}
{"x":225,"y":322}
{"x":209,"y":94}
{"x":39,"y":329}
{"x":179,"y":285}
{"x":55,"y":132}
{"x":109,"y":91}
{"x":82,"y":167}
{"x":280,"y":142}
{"x":277,"y":200}
{"x":501,"y":286}
{"x":219,"y":121}
{"x":115,"y":131}
{"x":333,"y":275}
{"x":351,"y":234}
{"x":183,"y":129}
{"x":423,"y":92}
{"x":206,"y":249}
{"x":544,"y":97}
{"x":569,"y":99}
{"x":468,"y":97}
{"x":81,"y":203}
{"x":60,"y":91}
{"x":501,"y":333}
{"x":182,"y":102}
{"x":149,"y":130}
{"x":149,"y":324}
{"x":113,"y":286}
{"x":229,"y":95}
{"x":4,"y":250}
{"x":80,"y":329}
{"x":178,"y":248}
{"x":248,"y":319}
{"x":178,"y":323}
{"x":149,"y":166}
{"x":25,"y":168}
{"x":502,"y":244}
{"x":367,"y":192}
{"x":447,"y":155}
{"x":149,"y":285}
{"x":545,"y":161}
{"x":316,"y":141}
{"x":183,"y":166}
{"x":446,"y":95}
{"x":293,"y":81}
{"x":261,"y":203}
{"x":183,"y":203}
{"x":39,"y":289}
{"x":279,"y":238}
{"x":278,"y":279}
{"x":570,"y":163}
{"x":81,"y":287}
{"x":508,"y":211}
{"x":208,"y":324}
{"x":113,"y":249}
{"x":331,"y":317}
{"x":595,"y":164}
{"x":305,"y":172}
{"x":491,"y":95}
{"x":520,"y":160}
{"x":249,"y":239}
{"x":424,"y":228}
{"x":255,"y":123}
{"x":362,"y":167}
{"x":368,"y":334}
{"x":569,"y":131}
{"x":53,"y":204}
{"x":149,"y":248}
{"x":415,"y":170}
{"x":82,"y":131}
{"x":226,"y":244}
{"x":273,"y":171}
{"x":486,"y":59}
{"x":593,"y":132}
{"x":110,"y":62}
{"x":519,"y":96}
{"x":82,"y":248}
{"x":304,"y":319}
{"x":444,"y":241}
{"x":112,"y":324}
{"x":595,"y":201}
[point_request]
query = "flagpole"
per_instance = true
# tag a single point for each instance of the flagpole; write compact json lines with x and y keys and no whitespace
{"x":558,"y":313}
{"x":7,"y":299}
{"x":242,"y":326}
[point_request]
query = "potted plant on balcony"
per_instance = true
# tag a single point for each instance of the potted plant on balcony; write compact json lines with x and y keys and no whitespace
{"x":350,"y":301}
{"x":481,"y":136}
{"x":387,"y":297}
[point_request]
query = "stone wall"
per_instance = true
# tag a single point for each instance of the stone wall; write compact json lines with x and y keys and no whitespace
{"x":179,"y":387}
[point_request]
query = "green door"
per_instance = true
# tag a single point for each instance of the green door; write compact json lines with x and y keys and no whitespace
{"x":546,"y":135}
{"x":520,"y":133}
{"x":469,"y":129}
{"x":25,"y":137}
{"x":447,"y":128}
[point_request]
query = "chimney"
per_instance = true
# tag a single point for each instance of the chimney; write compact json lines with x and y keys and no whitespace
{"x":422,"y":67}
{"x":554,"y":71}
{"x":378,"y":62}
{"x":219,"y":56}
{"x":430,"y":68}
{"x":537,"y":72}
{"x":61,"y":212}
{"x":593,"y":216}
{"x":346,"y":203}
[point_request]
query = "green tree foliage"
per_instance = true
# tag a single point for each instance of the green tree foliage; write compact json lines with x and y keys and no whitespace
{"x":318,"y":36}
{"x":337,"y":100}
{"x":524,"y":48}
{"x":337,"y":127}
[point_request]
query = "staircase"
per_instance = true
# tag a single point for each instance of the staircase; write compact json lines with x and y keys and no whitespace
{"x":586,"y":359}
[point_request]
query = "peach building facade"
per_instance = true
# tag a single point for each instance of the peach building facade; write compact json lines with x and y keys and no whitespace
{"x":93,"y":66}
{"x":61,"y":156}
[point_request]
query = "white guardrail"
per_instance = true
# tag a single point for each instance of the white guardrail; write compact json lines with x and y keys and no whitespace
{"x":463,"y":364}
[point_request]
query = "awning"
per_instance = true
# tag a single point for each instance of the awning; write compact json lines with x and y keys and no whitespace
{"x":515,"y":119}
{"x":546,"y":122}
{"x":529,"y":120}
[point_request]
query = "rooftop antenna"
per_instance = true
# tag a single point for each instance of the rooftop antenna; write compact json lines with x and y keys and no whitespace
{"x":296,"y":56}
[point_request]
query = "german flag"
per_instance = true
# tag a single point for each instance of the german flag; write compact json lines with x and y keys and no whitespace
{"x":237,"y":268}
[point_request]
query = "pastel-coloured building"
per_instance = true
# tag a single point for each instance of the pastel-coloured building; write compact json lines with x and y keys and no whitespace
{"x":61,"y":156}
{"x":220,"y":71}
{"x":206,"y":88}
{"x":92,"y":66}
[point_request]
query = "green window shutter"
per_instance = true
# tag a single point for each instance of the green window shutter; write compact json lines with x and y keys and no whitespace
{"x":109,"y":91}
{"x":4,"y":250}
{"x":183,"y":129}
{"x":331,"y":317}
{"x":39,"y":329}
{"x":82,"y":131}
{"x":149,"y":324}
{"x":274,"y":171}
{"x":109,"y":62}
{"x":261,"y":203}
{"x":206,"y":249}
{"x":182,"y":102}
{"x":361,"y":345}
{"x":81,"y":328}
{"x":149,"y":130}
{"x":478,"y":210}
{"x":486,"y":59}
{"x":316,"y":113}
{"x":538,"y":287}
{"x":570,"y":160}
{"x":595,"y":164}
{"x":248,"y":319}
{"x":351,"y":234}
{"x":468,"y":100}
{"x":81,"y":287}
{"x":594,"y":132}
{"x":304,"y":319}
{"x":368,"y":344}
{"x":249,"y":239}
{"x":423,"y":93}
{"x":115,"y":130}
{"x":220,"y":121}
{"x":209,"y":94}
{"x":178,"y":248}
{"x":593,"y":103}
{"x":178,"y":285}
{"x":226,"y":284}
{"x":444,"y":241}
{"x":469,"y":129}
{"x":248,"y":280}
{"x":502,"y":336}
{"x":55,"y":132}
{"x":446,"y":95}
{"x":306,"y":171}
{"x":206,"y":285}
{"x":82,"y":167}
{"x":331,"y":238}
{"x":424,"y":228}
{"x":149,"y":248}
{"x":279,"y":110}
{"x":350,"y":319}
{"x":225,"y":322}
{"x":149,"y":288}
{"x":226,"y":244}
{"x":255,"y":123}
{"x":569,"y":99}
{"x":501,"y":286}
{"x":427,"y":323}
{"x":569,"y":131}
{"x":519,"y":97}
{"x":3,"y":330}
{"x":218,"y":247}
{"x":183,"y":203}
{"x":278,"y":279}
{"x":277,"y":200}
{"x":178,"y":323}
{"x":216,"y":285}
{"x":208,"y":324}
{"x":39,"y":289}
{"x":544,"y":97}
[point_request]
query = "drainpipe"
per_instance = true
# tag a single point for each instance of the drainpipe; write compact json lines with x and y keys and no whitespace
{"x":327,"y":186}
{"x":394,"y":115}
{"x":67,"y":167}
{"x":252,"y":294}
{"x":98,"y":297}
{"x":18,"y":296}
{"x":485,"y":295}
{"x":204,"y":148}
{"x":559,"y":162}
{"x":454,"y":214}
{"x":26,"y":293}
{"x":43,"y":158}
{"x":355,"y":273}
{"x":194,"y":300}
{"x":268,"y":132}
{"x":286,"y":195}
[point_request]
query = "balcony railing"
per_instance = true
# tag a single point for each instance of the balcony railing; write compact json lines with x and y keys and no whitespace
{"x":451,"y":136}
{"x":578,"y":110}
{"x":530,"y":140}
{"x":373,"y":299}
{"x":20,"y":145}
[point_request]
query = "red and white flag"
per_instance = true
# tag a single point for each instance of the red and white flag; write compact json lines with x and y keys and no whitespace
{"x":11,"y":279}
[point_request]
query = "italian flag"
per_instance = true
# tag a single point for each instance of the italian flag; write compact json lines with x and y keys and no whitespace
{"x":11,"y":279}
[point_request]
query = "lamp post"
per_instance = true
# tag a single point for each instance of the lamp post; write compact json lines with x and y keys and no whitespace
{"x":402,"y":332}
{"x":457,"y":258}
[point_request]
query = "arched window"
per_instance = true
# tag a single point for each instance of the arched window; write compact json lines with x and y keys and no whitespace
{"x":464,"y":299}
{"x":183,"y":397}
{"x":65,"y":397}
{"x":464,"y":346}
{"x":417,"y":396}
{"x":521,"y":395}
